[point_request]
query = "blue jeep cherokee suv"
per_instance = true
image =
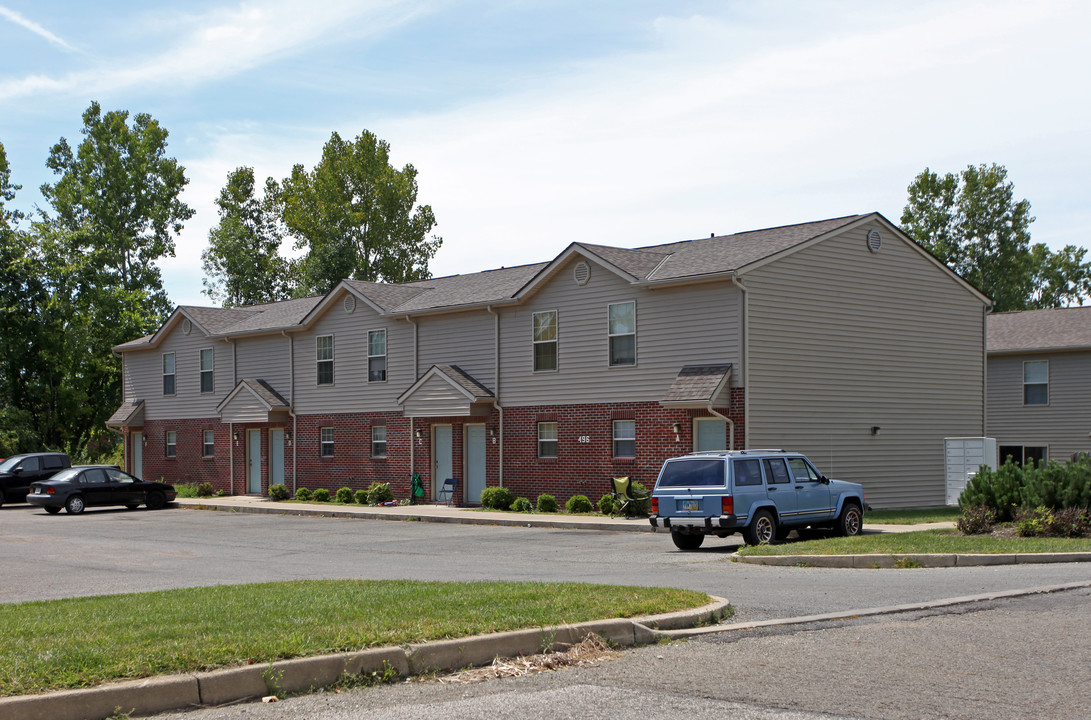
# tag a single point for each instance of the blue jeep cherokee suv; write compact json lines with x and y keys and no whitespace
{"x":765,"y":494}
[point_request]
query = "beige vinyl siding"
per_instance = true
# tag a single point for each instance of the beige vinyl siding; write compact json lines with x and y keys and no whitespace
{"x":841,"y":339}
{"x":675,"y":327}
{"x":145,"y":370}
{"x":1063,"y":425}
{"x":467,"y":340}
{"x":436,"y":398}
{"x":244,"y":407}
{"x":350,"y":391}
{"x":265,"y":358}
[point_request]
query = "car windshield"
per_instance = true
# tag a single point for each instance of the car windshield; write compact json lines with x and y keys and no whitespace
{"x":697,"y":472}
{"x":66,"y":474}
{"x":11,"y":462}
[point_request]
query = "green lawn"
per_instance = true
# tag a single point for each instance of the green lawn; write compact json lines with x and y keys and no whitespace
{"x":913,"y":516}
{"x":924,"y":541}
{"x":81,"y":642}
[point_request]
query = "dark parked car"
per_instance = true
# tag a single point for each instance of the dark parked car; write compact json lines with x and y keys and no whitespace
{"x":19,"y":471}
{"x":91,"y":485}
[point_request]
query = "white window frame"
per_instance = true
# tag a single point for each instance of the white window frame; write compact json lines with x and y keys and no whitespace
{"x":535,"y":341}
{"x":320,"y":360}
{"x":210,"y":372}
{"x":383,"y":355}
{"x":173,"y":374}
{"x":1027,"y":385}
{"x":208,"y":443}
{"x":545,"y":439}
{"x":623,"y":438}
{"x":325,"y":442}
{"x":376,"y":441}
{"x":611,"y":335}
{"x":171,"y":444}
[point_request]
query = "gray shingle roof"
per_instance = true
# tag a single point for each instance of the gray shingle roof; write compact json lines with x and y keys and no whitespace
{"x":464,"y":380}
{"x":697,"y":384}
{"x":124,"y":414}
{"x":1058,"y":328}
{"x":265,"y":391}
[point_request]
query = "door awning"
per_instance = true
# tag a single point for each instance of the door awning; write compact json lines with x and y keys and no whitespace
{"x":699,"y":386}
{"x":253,"y":400}
{"x":446,"y":390}
{"x":130,"y":414}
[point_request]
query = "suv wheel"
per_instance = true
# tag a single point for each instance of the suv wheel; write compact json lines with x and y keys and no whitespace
{"x":851,"y":521}
{"x":762,"y":529}
{"x":685,"y":541}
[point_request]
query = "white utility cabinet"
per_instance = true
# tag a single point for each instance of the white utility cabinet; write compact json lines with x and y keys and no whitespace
{"x":963,"y":458}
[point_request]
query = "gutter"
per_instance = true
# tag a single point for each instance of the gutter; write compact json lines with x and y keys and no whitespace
{"x":496,"y":391}
{"x":231,"y":426}
{"x":745,"y":341}
{"x":291,"y":404}
{"x":412,"y":420}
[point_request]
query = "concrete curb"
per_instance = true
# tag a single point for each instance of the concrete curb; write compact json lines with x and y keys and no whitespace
{"x":175,"y":692}
{"x":912,"y":560}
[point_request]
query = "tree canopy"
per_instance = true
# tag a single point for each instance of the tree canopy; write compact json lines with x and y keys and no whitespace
{"x":972,"y":222}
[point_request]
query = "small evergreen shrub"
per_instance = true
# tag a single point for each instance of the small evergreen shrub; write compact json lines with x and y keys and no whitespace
{"x":547,"y":503}
{"x":578,"y":504}
{"x":999,"y":489}
{"x":204,"y":489}
{"x":976,"y":520}
{"x":361,"y":497}
{"x":378,"y":492}
{"x":278,"y":492}
{"x":321,"y":495}
{"x":497,"y":498}
{"x":345,"y":496}
{"x":303,"y":494}
{"x":522,"y":505}
{"x":606,"y":504}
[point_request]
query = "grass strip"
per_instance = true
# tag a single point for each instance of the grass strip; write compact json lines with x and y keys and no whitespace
{"x":923,"y":541}
{"x":80,"y":642}
{"x":912,"y":516}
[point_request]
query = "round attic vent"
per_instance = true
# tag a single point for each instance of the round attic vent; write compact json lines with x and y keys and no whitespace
{"x":581,"y":273}
{"x":187,"y":327}
{"x":874,"y":240}
{"x":350,"y":303}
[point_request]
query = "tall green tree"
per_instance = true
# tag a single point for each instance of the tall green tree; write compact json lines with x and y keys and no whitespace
{"x":972,"y":222}
{"x":357,"y":217}
{"x":242,"y":262}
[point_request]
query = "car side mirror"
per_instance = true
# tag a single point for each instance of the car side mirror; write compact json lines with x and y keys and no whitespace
{"x":16,"y":470}
{"x":824,"y":480}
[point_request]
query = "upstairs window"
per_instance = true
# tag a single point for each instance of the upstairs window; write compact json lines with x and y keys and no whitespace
{"x":545,"y":340}
{"x":168,"y":373}
{"x":378,"y":441}
{"x":324,"y":359}
{"x":1036,"y":382}
{"x":376,"y":356}
{"x":172,"y":443}
{"x":625,"y":438}
{"x":622,"y":333}
{"x":547,"y":439}
{"x":326,"y":442}
{"x":208,"y":443}
{"x":208,"y":379}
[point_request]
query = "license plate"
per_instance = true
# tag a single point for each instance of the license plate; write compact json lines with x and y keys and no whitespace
{"x":37,"y":491}
{"x":690,"y":505}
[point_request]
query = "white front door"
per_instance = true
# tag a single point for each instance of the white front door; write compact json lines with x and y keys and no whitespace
{"x":136,"y":448}
{"x":442,"y":457}
{"x":276,"y":457}
{"x":253,"y":462}
{"x":709,"y":434}
{"x":475,"y":462}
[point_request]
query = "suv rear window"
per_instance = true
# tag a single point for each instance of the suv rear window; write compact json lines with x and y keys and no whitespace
{"x":693,"y":473}
{"x":747,"y":472}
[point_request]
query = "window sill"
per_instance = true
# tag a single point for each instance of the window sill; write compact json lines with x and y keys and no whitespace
{"x":548,"y":460}
{"x":623,"y":460}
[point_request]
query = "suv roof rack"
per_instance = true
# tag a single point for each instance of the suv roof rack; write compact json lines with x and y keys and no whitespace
{"x":725,"y":453}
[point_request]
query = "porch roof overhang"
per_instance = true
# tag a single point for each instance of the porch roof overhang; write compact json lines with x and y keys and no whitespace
{"x":698,"y":387}
{"x":253,"y":400}
{"x":446,"y":390}
{"x":130,"y":414}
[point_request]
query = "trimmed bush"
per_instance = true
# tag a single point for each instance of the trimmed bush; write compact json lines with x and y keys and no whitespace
{"x":547,"y":503}
{"x":361,"y":497}
{"x":321,"y":495}
{"x":1012,"y":487}
{"x":345,"y":496}
{"x":278,"y":492}
{"x":497,"y":498}
{"x":578,"y":504}
{"x":378,"y":492}
{"x":204,"y":489}
{"x":606,"y":504}
{"x":976,"y":520}
{"x":303,"y":494}
{"x":522,"y":505}
{"x":185,"y":490}
{"x":998,"y":489}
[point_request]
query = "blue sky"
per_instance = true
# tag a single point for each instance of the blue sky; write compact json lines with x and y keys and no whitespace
{"x":536,"y":123}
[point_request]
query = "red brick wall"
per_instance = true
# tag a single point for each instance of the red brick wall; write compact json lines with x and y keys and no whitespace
{"x":188,"y":465}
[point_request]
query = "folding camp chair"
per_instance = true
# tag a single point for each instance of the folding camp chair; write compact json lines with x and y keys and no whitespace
{"x":624,"y":498}
{"x":450,"y":485}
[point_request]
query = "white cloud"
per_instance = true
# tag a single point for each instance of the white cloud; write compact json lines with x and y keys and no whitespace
{"x":33,"y":27}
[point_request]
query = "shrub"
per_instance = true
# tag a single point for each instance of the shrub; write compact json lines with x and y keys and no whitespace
{"x":976,"y":520}
{"x":303,"y":494}
{"x":1070,"y":522}
{"x":547,"y":503}
{"x":185,"y":490}
{"x":204,"y":489}
{"x":378,"y":492}
{"x":321,"y":495}
{"x":361,"y":497}
{"x":638,"y":508}
{"x":345,"y":496}
{"x":497,"y":498}
{"x":606,"y":504}
{"x":999,"y":489}
{"x":278,"y":492}
{"x":1044,"y":486}
{"x":578,"y":504}
{"x":522,"y":505}
{"x":1034,"y":523}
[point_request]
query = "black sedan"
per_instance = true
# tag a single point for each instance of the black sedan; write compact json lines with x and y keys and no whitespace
{"x":86,"y":486}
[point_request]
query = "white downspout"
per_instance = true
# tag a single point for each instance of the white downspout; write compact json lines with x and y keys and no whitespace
{"x":412,"y":429}
{"x":745,"y":340}
{"x":291,"y":404}
{"x":496,"y":382}
{"x":231,"y":425}
{"x":730,"y":425}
